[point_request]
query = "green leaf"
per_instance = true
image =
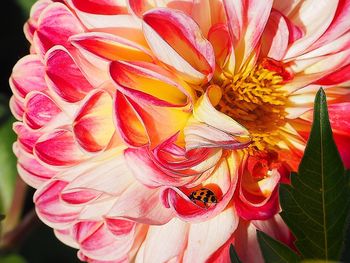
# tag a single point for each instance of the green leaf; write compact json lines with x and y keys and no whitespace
{"x":13,"y":258}
{"x":233,"y":255}
{"x":8,"y":170}
{"x":316,"y":204}
{"x":26,"y":5}
{"x":274,"y":251}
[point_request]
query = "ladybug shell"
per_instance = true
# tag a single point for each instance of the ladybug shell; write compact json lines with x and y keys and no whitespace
{"x":203,"y":195}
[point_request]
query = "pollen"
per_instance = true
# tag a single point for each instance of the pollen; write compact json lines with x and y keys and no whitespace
{"x":255,"y":98}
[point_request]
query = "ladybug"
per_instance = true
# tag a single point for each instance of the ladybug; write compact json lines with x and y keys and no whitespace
{"x":203,"y":195}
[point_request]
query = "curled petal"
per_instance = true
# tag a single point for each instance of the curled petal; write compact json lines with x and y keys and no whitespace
{"x":164,"y":243}
{"x":275,"y":38}
{"x":28,"y":75}
{"x":31,"y":171}
{"x":51,"y":33}
{"x":337,"y":28}
{"x":206,"y":237}
{"x":93,"y":126}
{"x":169,"y":164}
{"x":219,"y":37}
{"x":40,"y":109}
{"x":17,"y":108}
{"x":128,"y":122}
{"x":161,"y":105}
{"x":97,"y":241}
{"x":51,"y":209}
{"x":111,"y":177}
{"x":151,"y":83}
{"x":177,"y":41}
{"x":31,"y":25}
{"x":211,"y":128}
{"x":141,"y":204}
{"x":64,"y":235}
{"x":103,"y":7}
{"x":313,"y":17}
{"x":26,"y":137}
{"x":111,"y":47}
{"x":245,"y":26}
{"x":67,"y":80}
{"x":58,"y":148}
{"x":339,"y":76}
{"x":258,"y":198}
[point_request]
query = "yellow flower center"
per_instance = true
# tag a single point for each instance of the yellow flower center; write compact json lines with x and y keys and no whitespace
{"x":255,"y":99}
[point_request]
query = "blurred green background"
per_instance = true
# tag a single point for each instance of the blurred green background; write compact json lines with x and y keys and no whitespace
{"x":36,"y":243}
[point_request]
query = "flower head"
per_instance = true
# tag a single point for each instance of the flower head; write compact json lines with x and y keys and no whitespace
{"x":159,"y":131}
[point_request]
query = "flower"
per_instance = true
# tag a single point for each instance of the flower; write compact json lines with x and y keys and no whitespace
{"x":159,"y":131}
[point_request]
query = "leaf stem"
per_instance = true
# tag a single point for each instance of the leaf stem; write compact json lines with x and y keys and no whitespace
{"x":15,"y":210}
{"x":15,"y":237}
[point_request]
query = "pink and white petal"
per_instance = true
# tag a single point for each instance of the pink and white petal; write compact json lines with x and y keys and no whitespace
{"x":219,"y":37}
{"x":343,"y":142}
{"x":210,"y":128}
{"x":206,"y":237}
{"x":295,"y":32}
{"x":111,"y":177}
{"x":335,"y":46}
{"x":261,"y":210}
{"x":141,"y":204}
{"x":64,"y":235}
{"x":150,"y":83}
{"x":147,"y":172}
{"x":178,"y":162}
{"x":128,"y":122}
{"x":96,"y":241}
{"x":139,"y":7}
{"x":337,"y":28}
{"x":235,"y":16}
{"x":103,"y":7}
{"x":120,"y":227}
{"x":32,"y":23}
{"x":51,"y":210}
{"x":28,"y":75}
{"x":339,"y":76}
{"x":17,"y":108}
{"x":26,"y":137}
{"x":201,"y":14}
{"x":276,"y":228}
{"x":287,"y":6}
{"x":314,"y":17}
{"x":341,"y":127}
{"x":93,"y":126}
{"x":249,"y":27}
{"x":40,"y":110}
{"x":66,"y":78}
{"x":58,"y":149}
{"x":31,"y":171}
{"x":245,"y":237}
{"x":162,"y":105}
{"x":316,"y":69}
{"x":56,"y":24}
{"x":166,"y":242}
{"x":275,"y":38}
{"x":111,"y":47}
{"x":94,"y":68}
{"x":178,"y":42}
{"x":125,"y":25}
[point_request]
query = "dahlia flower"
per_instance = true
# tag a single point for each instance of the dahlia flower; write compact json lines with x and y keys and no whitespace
{"x":159,"y":131}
